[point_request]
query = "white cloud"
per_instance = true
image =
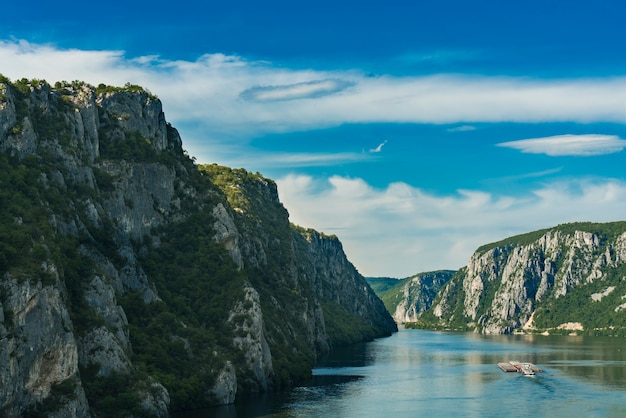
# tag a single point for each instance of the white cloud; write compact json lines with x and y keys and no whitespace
{"x":569,"y":145}
{"x":402,"y":230}
{"x":534,"y":174}
{"x":398,"y":230}
{"x":22,"y":59}
{"x":307,"y":90}
{"x":215,"y":92}
{"x":298,"y":159}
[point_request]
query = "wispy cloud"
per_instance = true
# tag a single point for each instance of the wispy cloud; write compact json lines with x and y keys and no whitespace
{"x":462,"y":128}
{"x":434,"y":231}
{"x":296,"y":159}
{"x":307,"y":90}
{"x":379,"y":148}
{"x":534,"y":174}
{"x":569,"y":145}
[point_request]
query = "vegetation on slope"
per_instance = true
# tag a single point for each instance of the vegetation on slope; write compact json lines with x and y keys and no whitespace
{"x":31,"y":208}
{"x":259,"y":214}
{"x":382,"y":284}
{"x":606,"y":231}
{"x":597,"y":305}
{"x":174,"y":339}
{"x":456,"y":320}
{"x":182,"y":338}
{"x":418,"y":290}
{"x":257,"y":208}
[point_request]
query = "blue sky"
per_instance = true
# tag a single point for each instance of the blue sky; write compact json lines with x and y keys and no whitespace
{"x":415,"y":131}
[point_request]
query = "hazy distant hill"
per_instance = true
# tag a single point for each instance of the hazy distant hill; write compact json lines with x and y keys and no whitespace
{"x":381,"y":284}
{"x":566,"y":279}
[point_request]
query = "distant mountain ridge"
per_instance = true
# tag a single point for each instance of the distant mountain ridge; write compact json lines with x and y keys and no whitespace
{"x":566,"y":279}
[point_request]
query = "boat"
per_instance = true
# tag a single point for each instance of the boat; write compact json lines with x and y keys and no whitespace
{"x":527,"y":369}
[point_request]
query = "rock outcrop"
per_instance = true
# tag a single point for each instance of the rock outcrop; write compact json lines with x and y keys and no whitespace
{"x":131,"y":281}
{"x":38,"y":350}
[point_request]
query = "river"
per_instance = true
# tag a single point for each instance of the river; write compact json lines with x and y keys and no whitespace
{"x":418,"y":373}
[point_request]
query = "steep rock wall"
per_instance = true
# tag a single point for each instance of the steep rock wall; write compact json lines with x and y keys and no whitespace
{"x":417,"y":293}
{"x":323,"y":290}
{"x":106,"y":228}
{"x":505,"y":285}
{"x":334,"y":280}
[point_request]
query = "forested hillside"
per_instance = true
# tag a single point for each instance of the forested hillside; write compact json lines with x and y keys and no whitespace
{"x":566,"y":279}
{"x":134,"y":282}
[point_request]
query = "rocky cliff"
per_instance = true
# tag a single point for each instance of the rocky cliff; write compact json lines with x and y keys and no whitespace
{"x":134,"y":282}
{"x":570,"y":278}
{"x":406,"y":299}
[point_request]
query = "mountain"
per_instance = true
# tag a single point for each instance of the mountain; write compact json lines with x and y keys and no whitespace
{"x":381,"y":284}
{"x":134,"y":282}
{"x":406,"y":299}
{"x":566,"y":279}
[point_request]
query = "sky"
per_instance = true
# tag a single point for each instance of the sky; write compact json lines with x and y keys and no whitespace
{"x":414,"y":131}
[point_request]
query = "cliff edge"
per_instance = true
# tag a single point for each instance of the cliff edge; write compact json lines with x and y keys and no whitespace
{"x":133,"y":281}
{"x":566,"y":279}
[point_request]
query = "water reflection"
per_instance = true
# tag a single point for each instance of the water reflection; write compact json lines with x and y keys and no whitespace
{"x":601,"y":360}
{"x":356,"y":355}
{"x":321,"y":379}
{"x":423,"y":373}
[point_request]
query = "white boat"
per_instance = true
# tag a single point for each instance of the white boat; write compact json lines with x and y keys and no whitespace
{"x":527,"y":369}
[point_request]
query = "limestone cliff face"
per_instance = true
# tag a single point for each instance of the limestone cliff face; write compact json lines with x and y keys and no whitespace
{"x":417,"y":293}
{"x":320,"y":288}
{"x":406,"y":299}
{"x":335,"y":282}
{"x":38,"y":349}
{"x":529,"y":281}
{"x":106,"y":226}
{"x":61,"y":132}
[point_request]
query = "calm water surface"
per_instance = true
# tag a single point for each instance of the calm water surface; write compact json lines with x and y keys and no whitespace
{"x":424,"y":373}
